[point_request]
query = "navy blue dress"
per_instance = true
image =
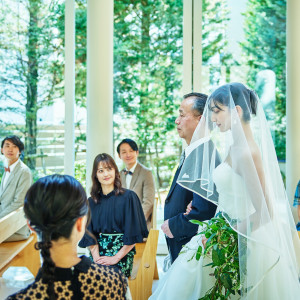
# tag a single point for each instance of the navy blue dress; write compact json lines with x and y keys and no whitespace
{"x":116,"y":221}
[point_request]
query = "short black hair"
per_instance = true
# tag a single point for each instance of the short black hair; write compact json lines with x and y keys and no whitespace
{"x":15,"y":140}
{"x":199,"y":101}
{"x":130,"y":142}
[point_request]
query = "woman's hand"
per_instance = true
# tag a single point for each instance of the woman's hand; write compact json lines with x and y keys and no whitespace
{"x":204,"y":240}
{"x":188,"y":208}
{"x":112,"y":260}
{"x":95,"y":257}
{"x":94,"y":249}
{"x":107,"y":260}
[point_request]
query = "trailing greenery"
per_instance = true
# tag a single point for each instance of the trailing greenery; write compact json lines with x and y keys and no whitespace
{"x":222,"y":248}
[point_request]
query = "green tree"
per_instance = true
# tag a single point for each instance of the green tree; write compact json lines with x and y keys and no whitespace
{"x":265,"y":48}
{"x":214,"y":38}
{"x":148,"y":68}
{"x":147,"y":59}
{"x":34,"y":63}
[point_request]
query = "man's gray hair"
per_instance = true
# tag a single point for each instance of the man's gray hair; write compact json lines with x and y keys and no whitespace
{"x":199,"y":102}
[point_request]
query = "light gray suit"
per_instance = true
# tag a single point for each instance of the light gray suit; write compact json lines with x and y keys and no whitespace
{"x":13,"y":194}
{"x":142,"y":183}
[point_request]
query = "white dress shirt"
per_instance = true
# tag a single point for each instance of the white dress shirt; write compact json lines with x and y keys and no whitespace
{"x":7,"y":174}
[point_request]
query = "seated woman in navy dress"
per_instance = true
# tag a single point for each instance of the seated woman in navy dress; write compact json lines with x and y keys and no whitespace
{"x":117,"y":221}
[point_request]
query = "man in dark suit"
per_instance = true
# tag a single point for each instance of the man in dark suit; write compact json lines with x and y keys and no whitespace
{"x":177,"y":228}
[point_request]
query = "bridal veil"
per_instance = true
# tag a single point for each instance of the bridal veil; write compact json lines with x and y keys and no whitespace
{"x":253,"y":200}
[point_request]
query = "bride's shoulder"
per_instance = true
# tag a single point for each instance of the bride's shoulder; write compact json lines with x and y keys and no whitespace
{"x":249,"y":155}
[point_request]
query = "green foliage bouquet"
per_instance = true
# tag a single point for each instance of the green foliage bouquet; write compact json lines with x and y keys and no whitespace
{"x":222,"y":249}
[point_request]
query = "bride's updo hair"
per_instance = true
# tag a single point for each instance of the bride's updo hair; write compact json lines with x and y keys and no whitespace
{"x":52,"y":205}
{"x":241,"y":95}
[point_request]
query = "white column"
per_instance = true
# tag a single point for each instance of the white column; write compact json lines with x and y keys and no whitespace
{"x":99,"y":80}
{"x":293,"y":100}
{"x":187,"y":46}
{"x":192,"y":46}
{"x":197,"y":46}
{"x":69,"y":159}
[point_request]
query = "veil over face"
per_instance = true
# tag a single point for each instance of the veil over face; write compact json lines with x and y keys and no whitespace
{"x":248,"y":189}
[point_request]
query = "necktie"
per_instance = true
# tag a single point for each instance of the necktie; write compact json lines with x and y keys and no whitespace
{"x":7,"y":169}
{"x":127,"y":172}
{"x":182,"y":158}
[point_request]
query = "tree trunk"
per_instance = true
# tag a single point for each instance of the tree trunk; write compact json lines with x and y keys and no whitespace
{"x":144,"y":93}
{"x":32,"y":85}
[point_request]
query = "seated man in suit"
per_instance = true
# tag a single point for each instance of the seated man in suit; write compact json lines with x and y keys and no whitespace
{"x":137,"y":177}
{"x":15,"y":182}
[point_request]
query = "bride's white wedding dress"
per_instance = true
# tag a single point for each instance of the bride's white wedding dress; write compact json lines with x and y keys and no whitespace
{"x":190,"y":279}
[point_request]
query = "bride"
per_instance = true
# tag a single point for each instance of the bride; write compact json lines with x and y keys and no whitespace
{"x":248,"y":189}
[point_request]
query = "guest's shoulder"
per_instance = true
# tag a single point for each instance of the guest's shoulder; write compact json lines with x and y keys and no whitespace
{"x":107,"y":277}
{"x":129,"y":193}
{"x":91,"y":201}
{"x":144,"y":168}
{"x":32,"y":291}
{"x":106,"y":271}
{"x":23,"y":173}
{"x":24,"y":167}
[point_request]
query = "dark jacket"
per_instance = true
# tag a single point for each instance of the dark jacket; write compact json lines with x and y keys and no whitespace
{"x":175,"y":206}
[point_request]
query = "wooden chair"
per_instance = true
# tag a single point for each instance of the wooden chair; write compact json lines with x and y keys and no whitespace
{"x":21,"y":253}
{"x":144,"y":268}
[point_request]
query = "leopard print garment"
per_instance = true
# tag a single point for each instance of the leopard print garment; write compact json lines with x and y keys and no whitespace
{"x":86,"y":281}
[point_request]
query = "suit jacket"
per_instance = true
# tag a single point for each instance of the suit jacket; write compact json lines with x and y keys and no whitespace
{"x":175,"y":206}
{"x":142,"y":183}
{"x":13,"y":194}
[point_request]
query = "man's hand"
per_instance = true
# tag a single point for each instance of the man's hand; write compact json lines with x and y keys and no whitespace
{"x":188,"y":209}
{"x":166,"y":230}
{"x":204,"y":240}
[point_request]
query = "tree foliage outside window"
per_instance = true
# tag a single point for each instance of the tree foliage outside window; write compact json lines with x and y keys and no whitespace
{"x":32,"y":65}
{"x":148,"y":69}
{"x":265,"y":48}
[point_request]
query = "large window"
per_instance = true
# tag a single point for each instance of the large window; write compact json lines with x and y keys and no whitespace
{"x":242,"y":41}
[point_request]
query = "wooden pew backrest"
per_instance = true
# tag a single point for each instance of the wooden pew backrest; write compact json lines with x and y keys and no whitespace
{"x":21,"y":253}
{"x":11,"y":223}
{"x":144,"y":267}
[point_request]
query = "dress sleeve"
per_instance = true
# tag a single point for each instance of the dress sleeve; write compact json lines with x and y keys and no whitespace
{"x":135,"y":227}
{"x":87,"y":239}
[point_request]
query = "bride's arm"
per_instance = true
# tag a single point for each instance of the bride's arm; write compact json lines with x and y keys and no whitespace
{"x":251,"y":169}
{"x":262,"y":179}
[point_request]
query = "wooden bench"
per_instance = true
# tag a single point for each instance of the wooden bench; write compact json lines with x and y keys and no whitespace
{"x":154,"y":214}
{"x":144,"y":268}
{"x":21,"y":253}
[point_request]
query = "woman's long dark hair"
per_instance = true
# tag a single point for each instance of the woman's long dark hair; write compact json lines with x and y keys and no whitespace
{"x":241,"y":95}
{"x":107,"y":161}
{"x":52,"y":205}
